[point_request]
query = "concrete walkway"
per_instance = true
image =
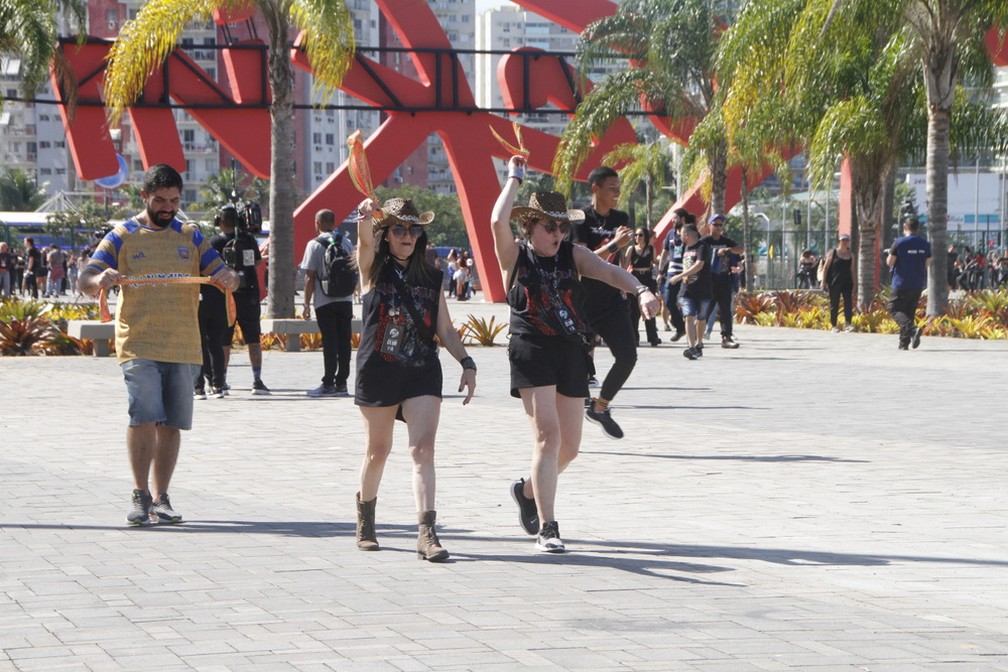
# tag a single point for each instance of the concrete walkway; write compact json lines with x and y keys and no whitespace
{"x":811,"y":501}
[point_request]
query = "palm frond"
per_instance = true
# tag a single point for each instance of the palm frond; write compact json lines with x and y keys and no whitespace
{"x":328,"y":39}
{"x":144,"y":43}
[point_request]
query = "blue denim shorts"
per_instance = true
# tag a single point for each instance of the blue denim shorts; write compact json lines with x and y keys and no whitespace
{"x":694,"y":307}
{"x":160,"y":392}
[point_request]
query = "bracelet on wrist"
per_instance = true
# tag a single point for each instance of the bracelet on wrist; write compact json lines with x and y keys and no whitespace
{"x":517,"y":176}
{"x":467,"y":363}
{"x":641,"y":289}
{"x":612,"y":247}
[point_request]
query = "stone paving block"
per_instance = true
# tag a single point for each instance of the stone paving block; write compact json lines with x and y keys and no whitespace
{"x":789,"y":529}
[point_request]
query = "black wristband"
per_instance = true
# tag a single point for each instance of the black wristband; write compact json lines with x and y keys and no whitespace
{"x":468,"y":363}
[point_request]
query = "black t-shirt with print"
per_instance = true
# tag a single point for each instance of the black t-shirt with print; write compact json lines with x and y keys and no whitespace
{"x":593,"y":232}
{"x":719,"y":265}
{"x":698,"y":285}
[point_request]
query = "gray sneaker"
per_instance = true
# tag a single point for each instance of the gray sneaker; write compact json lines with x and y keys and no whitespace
{"x":163,"y":510}
{"x":324,"y":391}
{"x":140,"y":512}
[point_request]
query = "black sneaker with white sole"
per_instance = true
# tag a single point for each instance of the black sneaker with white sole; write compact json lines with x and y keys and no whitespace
{"x":528,"y":515}
{"x":915,"y":339}
{"x":259,"y":387}
{"x":604,"y":420}
{"x":548,"y":540}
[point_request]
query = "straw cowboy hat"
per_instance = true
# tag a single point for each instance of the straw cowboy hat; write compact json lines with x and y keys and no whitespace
{"x":400,"y":211}
{"x":547,"y":205}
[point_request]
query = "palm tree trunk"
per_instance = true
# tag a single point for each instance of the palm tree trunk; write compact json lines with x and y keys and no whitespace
{"x":937,"y":194}
{"x":746,"y":233}
{"x":719,"y":179}
{"x":280,"y":302}
{"x":869,"y":198}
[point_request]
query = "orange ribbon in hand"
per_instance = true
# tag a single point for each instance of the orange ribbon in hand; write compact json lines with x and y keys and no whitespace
{"x":106,"y":314}
{"x":520,"y":149}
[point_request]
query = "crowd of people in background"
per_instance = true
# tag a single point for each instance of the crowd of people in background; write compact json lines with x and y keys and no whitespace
{"x":971,"y":270}
{"x":46,"y":272}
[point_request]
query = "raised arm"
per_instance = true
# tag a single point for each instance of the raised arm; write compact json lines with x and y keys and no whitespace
{"x":365,"y":242}
{"x":500,"y":220}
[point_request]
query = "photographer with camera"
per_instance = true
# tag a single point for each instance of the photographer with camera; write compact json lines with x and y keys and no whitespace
{"x":240,"y":251}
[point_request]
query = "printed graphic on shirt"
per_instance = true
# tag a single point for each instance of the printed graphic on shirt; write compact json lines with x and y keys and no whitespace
{"x":398,"y":339}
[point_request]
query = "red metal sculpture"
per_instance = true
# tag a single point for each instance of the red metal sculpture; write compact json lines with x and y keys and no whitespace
{"x":469,"y":144}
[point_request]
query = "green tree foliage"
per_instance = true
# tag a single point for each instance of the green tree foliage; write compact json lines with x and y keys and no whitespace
{"x":328,"y":40}
{"x":19,"y":191}
{"x":28,"y":28}
{"x":80,"y":225}
{"x":218,"y":190}
{"x":673,"y":44}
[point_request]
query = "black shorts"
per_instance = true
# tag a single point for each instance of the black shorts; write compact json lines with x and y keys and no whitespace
{"x":248,"y":313}
{"x":385,"y":384}
{"x":538,"y":361}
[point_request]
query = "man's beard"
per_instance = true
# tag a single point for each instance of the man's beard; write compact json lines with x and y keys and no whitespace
{"x":159,"y":220}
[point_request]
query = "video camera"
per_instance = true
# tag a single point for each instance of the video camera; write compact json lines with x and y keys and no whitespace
{"x":248,"y":216}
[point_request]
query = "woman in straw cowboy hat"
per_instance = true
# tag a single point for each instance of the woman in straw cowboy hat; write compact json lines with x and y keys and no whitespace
{"x":398,"y":371}
{"x":548,"y":347}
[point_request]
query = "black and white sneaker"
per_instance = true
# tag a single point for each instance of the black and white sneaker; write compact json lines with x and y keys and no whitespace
{"x":140,"y":511}
{"x":915,"y":339}
{"x":729,"y":343}
{"x":605,"y":421}
{"x":690,"y":353}
{"x":259,"y":387}
{"x":199,"y":393}
{"x":163,"y":510}
{"x":592,"y":381}
{"x":528,"y":515}
{"x":548,"y":540}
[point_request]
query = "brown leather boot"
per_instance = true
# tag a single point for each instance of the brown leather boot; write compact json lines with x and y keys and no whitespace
{"x":366,"y":540}
{"x":428,"y":547}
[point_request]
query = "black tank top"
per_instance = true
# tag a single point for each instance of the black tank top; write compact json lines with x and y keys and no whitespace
{"x":546,"y":295}
{"x":643,"y":261}
{"x":840,"y":271}
{"x":383,"y":306}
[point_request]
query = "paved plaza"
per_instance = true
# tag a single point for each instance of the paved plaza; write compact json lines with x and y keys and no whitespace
{"x":811,"y":501}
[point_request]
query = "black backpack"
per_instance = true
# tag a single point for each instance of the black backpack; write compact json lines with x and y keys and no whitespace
{"x":239,"y":253}
{"x":338,"y":277}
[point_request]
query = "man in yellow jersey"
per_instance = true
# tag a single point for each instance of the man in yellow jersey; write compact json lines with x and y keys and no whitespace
{"x":157,"y":331}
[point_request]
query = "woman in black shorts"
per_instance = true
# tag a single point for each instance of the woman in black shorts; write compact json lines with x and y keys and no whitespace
{"x":398,"y":371}
{"x":548,"y":346}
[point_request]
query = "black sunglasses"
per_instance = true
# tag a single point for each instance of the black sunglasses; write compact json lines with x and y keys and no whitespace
{"x":717,"y":224}
{"x":400,"y":230}
{"x":551,"y":226}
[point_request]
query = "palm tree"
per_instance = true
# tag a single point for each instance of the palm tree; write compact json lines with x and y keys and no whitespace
{"x":837,"y":88}
{"x":945,"y":41}
{"x":145,"y":42}
{"x":672,"y":44}
{"x":29,"y":29}
{"x":225,"y":185}
{"x":19,"y":191}
{"x":645,"y":163}
{"x":947,"y":37}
